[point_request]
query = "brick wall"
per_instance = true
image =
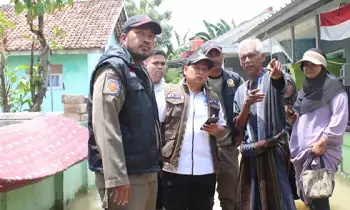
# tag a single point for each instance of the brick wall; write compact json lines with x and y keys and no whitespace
{"x":13,"y":118}
{"x":75,"y":107}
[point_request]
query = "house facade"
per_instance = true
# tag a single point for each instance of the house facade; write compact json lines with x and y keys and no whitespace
{"x":90,"y":27}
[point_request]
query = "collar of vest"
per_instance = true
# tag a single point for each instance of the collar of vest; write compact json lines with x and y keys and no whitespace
{"x":206,"y":86}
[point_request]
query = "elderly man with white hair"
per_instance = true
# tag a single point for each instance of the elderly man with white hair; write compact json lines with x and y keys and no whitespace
{"x":259,"y":111}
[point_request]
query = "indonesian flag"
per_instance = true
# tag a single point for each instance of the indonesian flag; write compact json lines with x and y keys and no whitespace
{"x":335,"y":25}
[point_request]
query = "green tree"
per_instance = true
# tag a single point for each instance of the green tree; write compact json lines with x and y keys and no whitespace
{"x":213,"y":30}
{"x":4,"y":26}
{"x":149,"y":8}
{"x":17,"y":83}
{"x":34,"y":12}
{"x":173,"y":75}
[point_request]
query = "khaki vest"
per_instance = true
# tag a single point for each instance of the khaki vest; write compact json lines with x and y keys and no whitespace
{"x":176,"y":96}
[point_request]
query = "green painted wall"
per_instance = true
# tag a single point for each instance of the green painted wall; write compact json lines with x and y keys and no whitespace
{"x":345,"y":167}
{"x":40,"y":196}
{"x":75,"y":76}
{"x":51,"y":193}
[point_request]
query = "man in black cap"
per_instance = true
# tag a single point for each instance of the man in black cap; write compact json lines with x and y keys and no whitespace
{"x":225,"y":83}
{"x":124,"y":142}
{"x":189,"y":150}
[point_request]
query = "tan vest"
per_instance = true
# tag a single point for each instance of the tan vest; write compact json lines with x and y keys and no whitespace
{"x":176,"y":96}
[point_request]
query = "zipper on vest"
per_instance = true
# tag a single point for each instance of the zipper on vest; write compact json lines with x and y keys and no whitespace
{"x":193,"y":113}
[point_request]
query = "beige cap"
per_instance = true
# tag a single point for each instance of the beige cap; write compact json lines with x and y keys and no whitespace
{"x":313,"y":57}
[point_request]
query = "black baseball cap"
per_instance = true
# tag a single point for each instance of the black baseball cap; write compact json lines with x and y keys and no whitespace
{"x":211,"y":45}
{"x":142,"y":20}
{"x":197,"y":57}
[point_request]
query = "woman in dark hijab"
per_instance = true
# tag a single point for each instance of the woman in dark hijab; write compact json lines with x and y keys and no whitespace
{"x":290,"y":97}
{"x":322,"y":114}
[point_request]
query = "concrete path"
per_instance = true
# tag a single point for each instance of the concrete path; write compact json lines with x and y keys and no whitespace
{"x":339,"y":201}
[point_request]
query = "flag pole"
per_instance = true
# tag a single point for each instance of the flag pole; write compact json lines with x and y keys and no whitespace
{"x":317,"y":21}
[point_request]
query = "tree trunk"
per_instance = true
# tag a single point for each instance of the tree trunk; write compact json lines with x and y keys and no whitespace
{"x":5,"y":103}
{"x":45,"y":50}
{"x":31,"y":79}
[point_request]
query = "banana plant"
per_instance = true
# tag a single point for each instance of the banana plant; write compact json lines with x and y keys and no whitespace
{"x":213,"y":30}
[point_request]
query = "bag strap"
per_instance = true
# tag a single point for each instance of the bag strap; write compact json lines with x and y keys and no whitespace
{"x":309,"y":162}
{"x":322,"y":162}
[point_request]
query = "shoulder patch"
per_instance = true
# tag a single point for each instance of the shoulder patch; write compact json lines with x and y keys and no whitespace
{"x":111,"y":85}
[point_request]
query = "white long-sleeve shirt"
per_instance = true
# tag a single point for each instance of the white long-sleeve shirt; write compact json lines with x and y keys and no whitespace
{"x":160,"y":95}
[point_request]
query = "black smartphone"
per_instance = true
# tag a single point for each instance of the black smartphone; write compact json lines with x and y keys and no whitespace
{"x":210,"y":120}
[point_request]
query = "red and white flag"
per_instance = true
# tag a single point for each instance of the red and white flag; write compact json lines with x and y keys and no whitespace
{"x":335,"y":25}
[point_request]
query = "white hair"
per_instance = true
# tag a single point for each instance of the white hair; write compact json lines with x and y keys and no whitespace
{"x":252,"y":43}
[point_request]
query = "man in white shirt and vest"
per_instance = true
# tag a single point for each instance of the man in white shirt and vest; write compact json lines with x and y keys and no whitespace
{"x":155,"y":65}
{"x":189,"y":149}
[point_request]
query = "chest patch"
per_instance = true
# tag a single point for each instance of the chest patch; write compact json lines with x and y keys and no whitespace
{"x":132,"y":72}
{"x":174,"y":96}
{"x":230,"y":83}
{"x":214,"y":102}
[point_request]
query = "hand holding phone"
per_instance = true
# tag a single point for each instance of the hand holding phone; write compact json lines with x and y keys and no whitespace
{"x":291,"y":116}
{"x":210,"y":120}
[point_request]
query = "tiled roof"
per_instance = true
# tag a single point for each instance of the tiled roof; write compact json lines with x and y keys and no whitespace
{"x":87,"y":24}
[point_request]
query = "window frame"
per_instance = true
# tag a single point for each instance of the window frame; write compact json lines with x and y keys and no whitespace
{"x":60,"y":81}
{"x":58,"y":73}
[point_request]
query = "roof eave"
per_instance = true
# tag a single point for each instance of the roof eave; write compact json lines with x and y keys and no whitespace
{"x":283,"y":17}
{"x":57,"y":52}
{"x":226,"y":36}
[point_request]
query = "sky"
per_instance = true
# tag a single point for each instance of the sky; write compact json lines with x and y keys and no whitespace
{"x":189,"y":14}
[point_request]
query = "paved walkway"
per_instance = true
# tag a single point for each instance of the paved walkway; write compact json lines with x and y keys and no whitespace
{"x":339,"y":200}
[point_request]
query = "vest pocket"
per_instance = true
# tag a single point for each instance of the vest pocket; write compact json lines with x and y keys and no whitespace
{"x":174,"y":112}
{"x":168,"y":149}
{"x":175,"y":107}
{"x":214,"y":109}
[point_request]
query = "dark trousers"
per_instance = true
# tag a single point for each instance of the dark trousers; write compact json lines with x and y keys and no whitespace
{"x":320,"y":204}
{"x":292,"y":181}
{"x":159,"y":194}
{"x":188,"y":192}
